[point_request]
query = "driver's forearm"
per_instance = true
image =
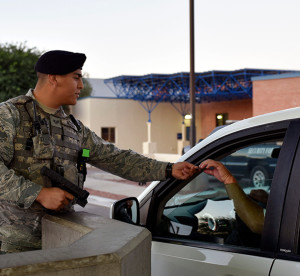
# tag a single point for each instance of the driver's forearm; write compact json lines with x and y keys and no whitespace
{"x":250,"y":213}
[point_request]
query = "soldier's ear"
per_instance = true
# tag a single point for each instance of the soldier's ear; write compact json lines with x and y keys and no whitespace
{"x":52,"y":80}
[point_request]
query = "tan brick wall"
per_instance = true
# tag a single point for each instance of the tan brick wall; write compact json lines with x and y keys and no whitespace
{"x":275,"y":94}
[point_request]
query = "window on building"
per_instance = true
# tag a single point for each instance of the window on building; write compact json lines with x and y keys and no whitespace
{"x":108,"y":134}
{"x":221,"y":119}
{"x":187,"y":133}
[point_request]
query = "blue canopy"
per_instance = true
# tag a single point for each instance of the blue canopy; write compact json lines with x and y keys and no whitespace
{"x":209,"y":86}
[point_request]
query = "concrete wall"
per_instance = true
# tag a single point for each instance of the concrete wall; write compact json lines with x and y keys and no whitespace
{"x":275,"y":94}
{"x":87,"y":245}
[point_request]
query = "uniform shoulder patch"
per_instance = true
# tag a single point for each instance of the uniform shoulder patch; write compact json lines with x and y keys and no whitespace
{"x":23,"y":99}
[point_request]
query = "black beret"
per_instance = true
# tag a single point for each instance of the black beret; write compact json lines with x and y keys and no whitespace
{"x":59,"y":62}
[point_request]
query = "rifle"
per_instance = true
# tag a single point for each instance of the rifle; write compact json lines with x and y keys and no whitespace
{"x":64,"y":184}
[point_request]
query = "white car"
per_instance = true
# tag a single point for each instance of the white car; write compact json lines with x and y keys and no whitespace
{"x":194,"y":227}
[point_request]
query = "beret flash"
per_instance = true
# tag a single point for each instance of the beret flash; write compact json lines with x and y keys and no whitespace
{"x":59,"y":62}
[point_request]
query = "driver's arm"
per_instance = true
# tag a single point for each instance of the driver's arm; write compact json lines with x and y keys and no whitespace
{"x":250,"y":212}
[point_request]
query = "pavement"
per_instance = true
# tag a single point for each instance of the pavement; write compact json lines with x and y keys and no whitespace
{"x":105,"y":189}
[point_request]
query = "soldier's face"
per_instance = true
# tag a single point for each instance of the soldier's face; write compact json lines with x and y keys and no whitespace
{"x":69,"y":87}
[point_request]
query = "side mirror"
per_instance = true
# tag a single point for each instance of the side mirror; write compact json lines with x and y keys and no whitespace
{"x":127,"y":210}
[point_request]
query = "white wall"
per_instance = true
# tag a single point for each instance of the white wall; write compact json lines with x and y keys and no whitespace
{"x":130,"y":120}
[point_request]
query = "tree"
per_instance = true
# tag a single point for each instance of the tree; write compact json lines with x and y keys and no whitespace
{"x":87,"y":90}
{"x":17,"y":73}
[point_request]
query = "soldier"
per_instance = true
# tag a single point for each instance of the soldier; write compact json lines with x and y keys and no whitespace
{"x":35,"y":132}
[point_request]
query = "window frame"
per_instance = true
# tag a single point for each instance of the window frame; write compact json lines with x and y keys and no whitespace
{"x":109,"y":134}
{"x":227,"y":143}
{"x":288,"y":245}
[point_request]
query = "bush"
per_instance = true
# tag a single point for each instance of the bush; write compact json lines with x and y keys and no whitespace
{"x":17,"y":73}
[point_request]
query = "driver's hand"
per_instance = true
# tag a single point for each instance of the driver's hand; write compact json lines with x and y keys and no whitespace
{"x":218,"y":170}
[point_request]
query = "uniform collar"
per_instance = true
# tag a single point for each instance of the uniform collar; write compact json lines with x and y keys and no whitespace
{"x":47,"y":109}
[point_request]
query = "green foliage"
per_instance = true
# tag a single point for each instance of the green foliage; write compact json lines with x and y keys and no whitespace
{"x":17,"y":73}
{"x":87,"y":90}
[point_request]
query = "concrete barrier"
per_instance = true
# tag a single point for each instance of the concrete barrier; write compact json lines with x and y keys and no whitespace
{"x":84,"y":244}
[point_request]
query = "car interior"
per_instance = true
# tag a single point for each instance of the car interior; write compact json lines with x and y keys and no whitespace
{"x":201,"y":209}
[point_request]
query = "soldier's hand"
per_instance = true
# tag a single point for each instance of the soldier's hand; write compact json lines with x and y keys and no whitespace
{"x":183,"y":170}
{"x":54,"y":198}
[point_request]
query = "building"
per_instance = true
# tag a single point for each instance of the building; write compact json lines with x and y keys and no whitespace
{"x":273,"y":93}
{"x":125,"y":121}
{"x":146,"y":113}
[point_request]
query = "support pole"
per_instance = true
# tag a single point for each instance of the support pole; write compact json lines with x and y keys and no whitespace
{"x":149,"y":148}
{"x":183,"y":138}
{"x":192,"y":77}
{"x":149,"y":131}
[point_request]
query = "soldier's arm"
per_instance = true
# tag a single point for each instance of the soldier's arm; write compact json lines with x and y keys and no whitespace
{"x":13,"y":188}
{"x":127,"y":163}
{"x":124,"y":163}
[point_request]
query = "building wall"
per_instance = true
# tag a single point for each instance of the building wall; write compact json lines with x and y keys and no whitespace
{"x":237,"y":110}
{"x":130,"y":120}
{"x":270,"y":93}
{"x":275,"y":94}
{"x":81,"y":111}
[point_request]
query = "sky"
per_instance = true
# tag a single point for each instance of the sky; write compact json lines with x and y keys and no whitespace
{"x":139,"y":37}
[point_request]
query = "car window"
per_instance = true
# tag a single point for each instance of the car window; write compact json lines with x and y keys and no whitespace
{"x":254,"y":165}
{"x":202,"y":211}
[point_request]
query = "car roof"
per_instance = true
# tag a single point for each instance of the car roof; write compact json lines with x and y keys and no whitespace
{"x":277,"y":116}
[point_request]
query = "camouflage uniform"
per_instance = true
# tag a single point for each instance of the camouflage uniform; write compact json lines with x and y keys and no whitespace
{"x":23,"y":153}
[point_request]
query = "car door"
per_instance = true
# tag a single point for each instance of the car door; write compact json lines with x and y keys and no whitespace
{"x":287,"y":259}
{"x":183,"y":215}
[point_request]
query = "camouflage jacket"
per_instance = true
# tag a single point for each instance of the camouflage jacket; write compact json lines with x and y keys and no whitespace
{"x":20,"y":184}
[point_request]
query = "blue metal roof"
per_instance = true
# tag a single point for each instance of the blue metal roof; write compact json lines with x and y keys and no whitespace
{"x":209,"y":86}
{"x":294,"y":74}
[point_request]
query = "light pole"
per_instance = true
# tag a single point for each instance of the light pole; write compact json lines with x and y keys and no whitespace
{"x":192,"y":77}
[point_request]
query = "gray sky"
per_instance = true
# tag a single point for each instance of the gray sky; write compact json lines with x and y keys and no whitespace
{"x":138,"y":37}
